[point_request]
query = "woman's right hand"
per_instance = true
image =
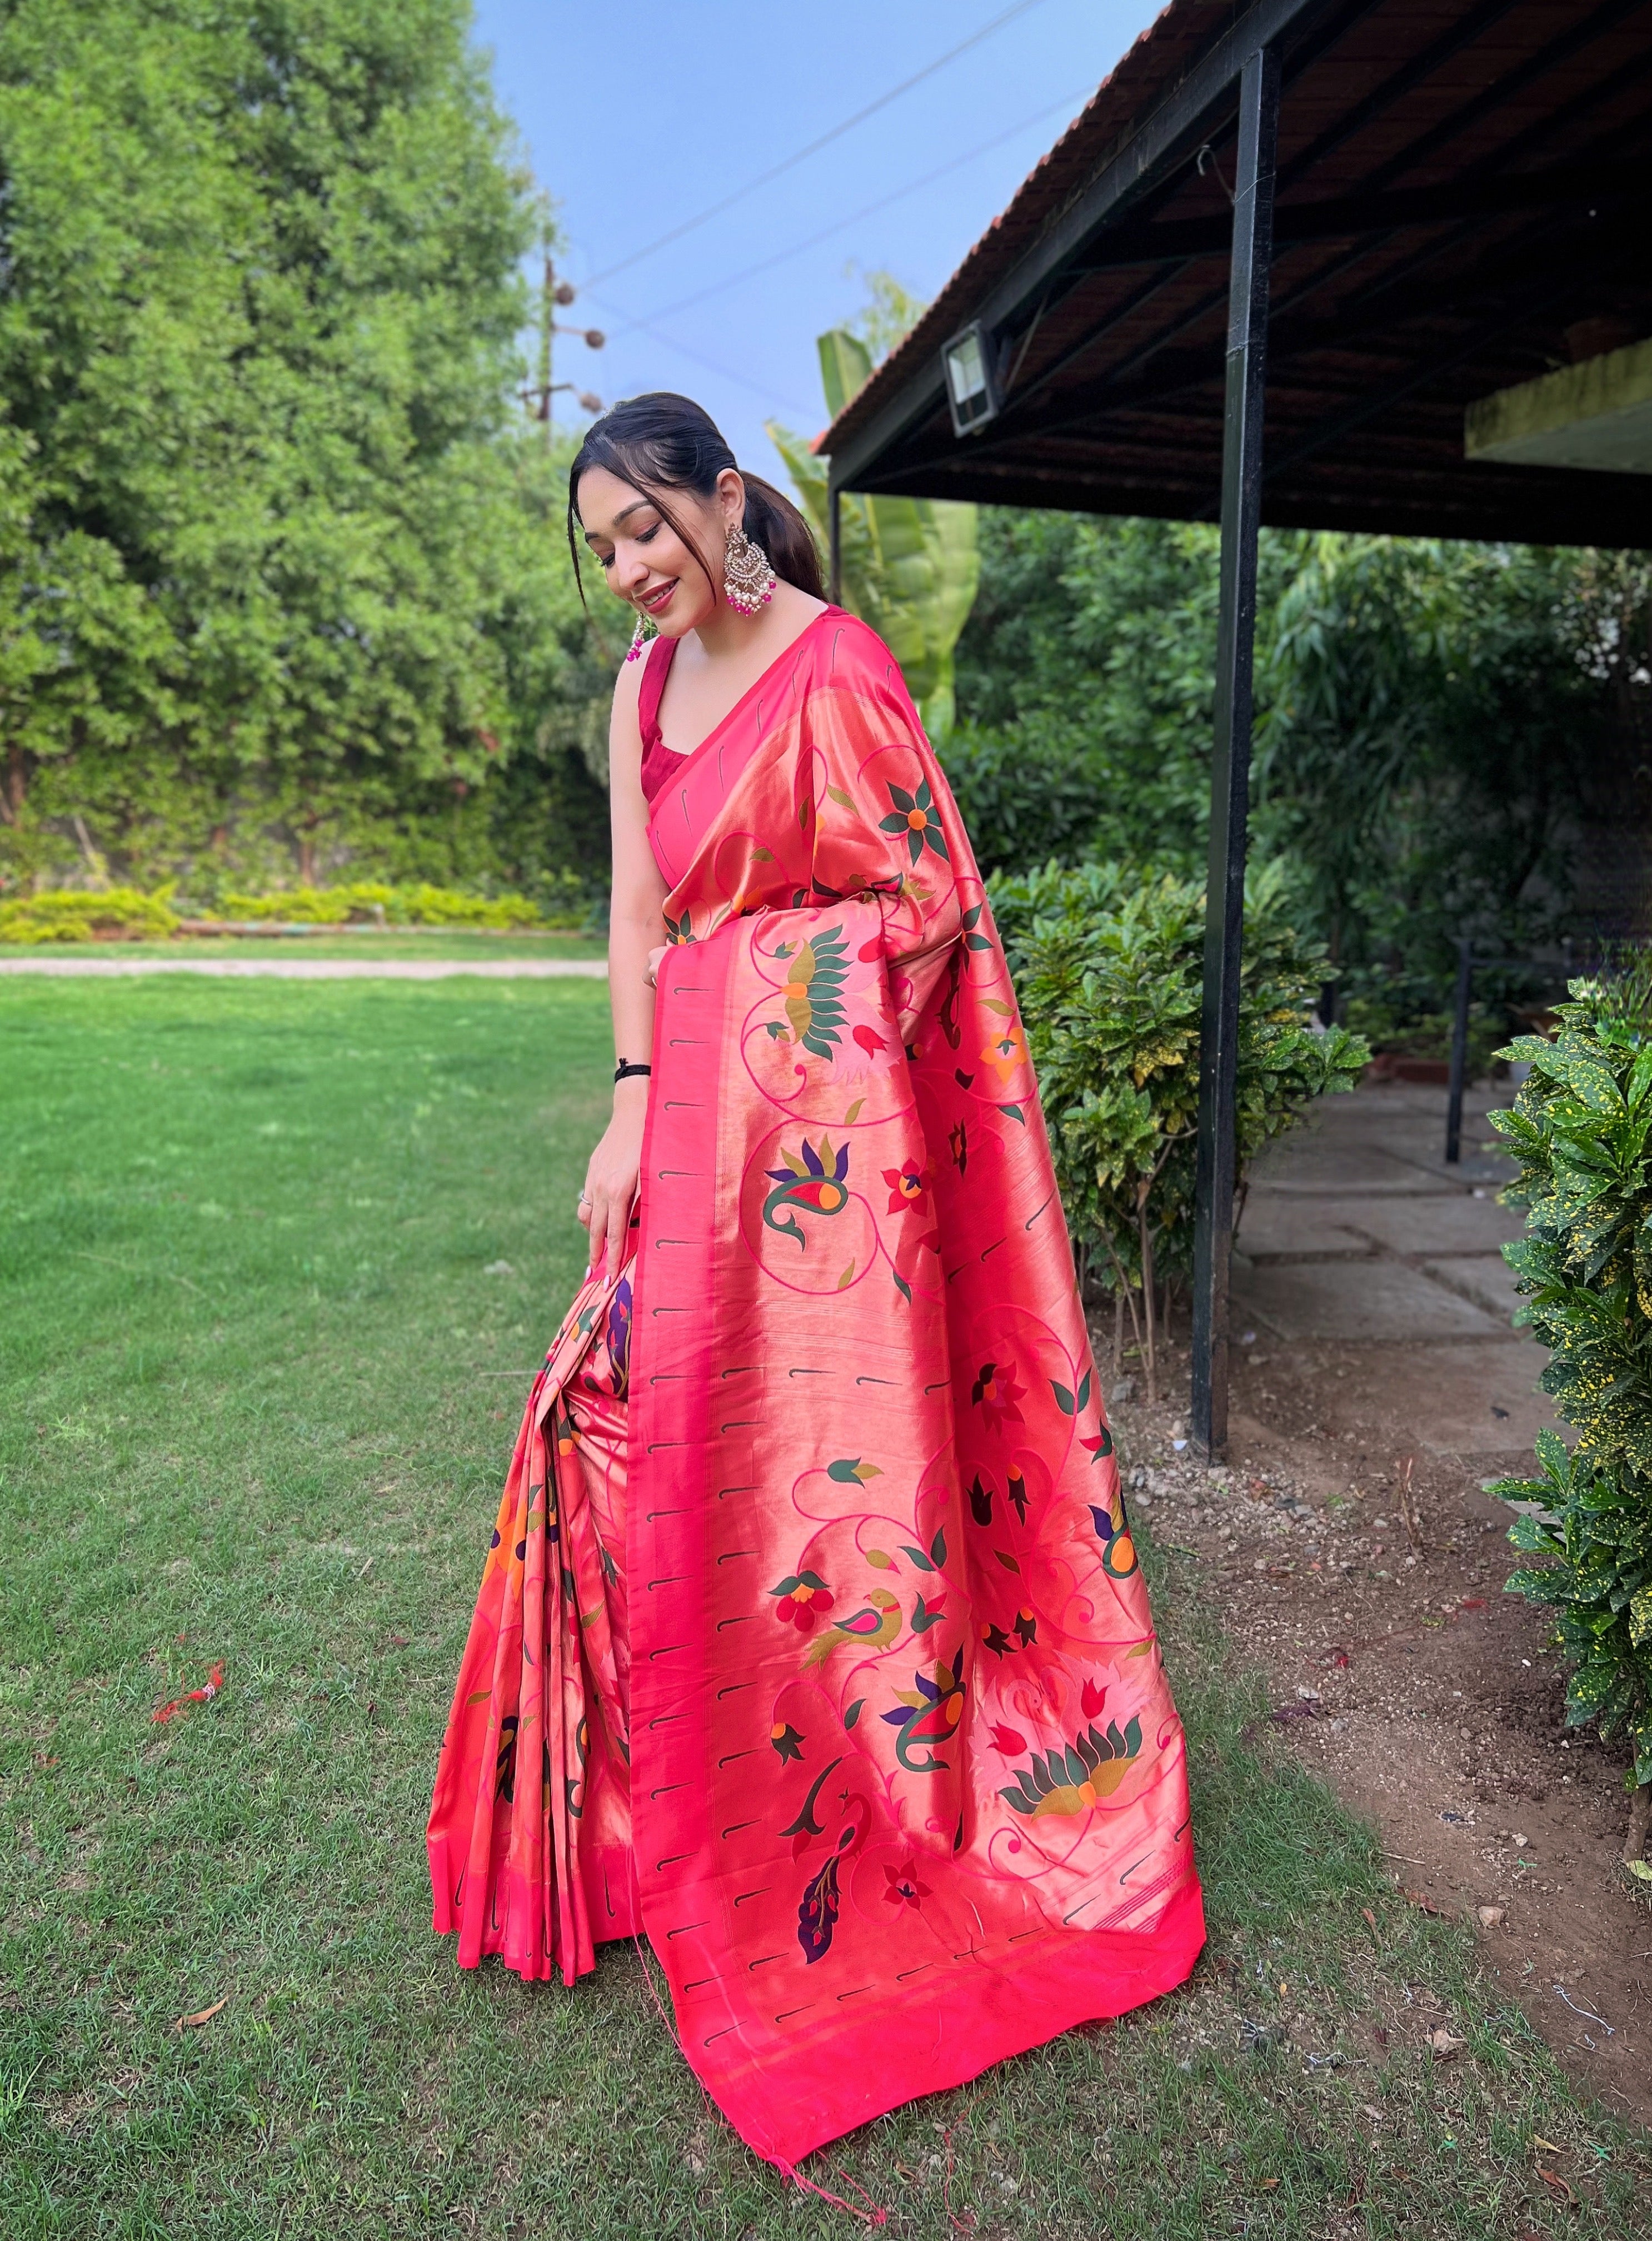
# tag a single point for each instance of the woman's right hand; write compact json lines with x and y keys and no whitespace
{"x":611,"y":1179}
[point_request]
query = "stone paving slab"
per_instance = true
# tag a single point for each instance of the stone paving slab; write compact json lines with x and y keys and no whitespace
{"x":1355,"y":1300}
{"x":1431,"y":1222}
{"x":1484,"y":1278}
{"x":1330,"y":1167}
{"x":1390,"y":1138}
{"x":1288,"y":1224}
{"x":313,"y":968}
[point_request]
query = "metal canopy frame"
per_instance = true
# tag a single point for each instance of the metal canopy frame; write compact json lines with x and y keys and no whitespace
{"x":1394,"y":298}
{"x":1165,"y":142}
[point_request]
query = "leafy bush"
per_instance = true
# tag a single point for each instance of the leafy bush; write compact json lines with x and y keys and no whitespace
{"x":1109,"y":960}
{"x":1582,"y":1129}
{"x":65,"y":915}
{"x":413,"y":905}
{"x":1026,"y":801}
{"x":124,"y":914}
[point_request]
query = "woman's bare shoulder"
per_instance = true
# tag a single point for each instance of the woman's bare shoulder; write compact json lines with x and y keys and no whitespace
{"x":624,"y":734}
{"x":628,"y":686}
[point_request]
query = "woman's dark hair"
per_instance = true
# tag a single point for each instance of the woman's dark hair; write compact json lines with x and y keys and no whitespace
{"x":663,"y":442}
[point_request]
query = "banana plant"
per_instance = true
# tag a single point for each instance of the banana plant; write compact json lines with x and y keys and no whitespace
{"x":910,"y":565}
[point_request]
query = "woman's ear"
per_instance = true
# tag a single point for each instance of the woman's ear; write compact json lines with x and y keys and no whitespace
{"x":730,"y":497}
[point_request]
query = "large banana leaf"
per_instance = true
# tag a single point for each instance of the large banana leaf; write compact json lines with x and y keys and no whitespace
{"x":910,"y":566}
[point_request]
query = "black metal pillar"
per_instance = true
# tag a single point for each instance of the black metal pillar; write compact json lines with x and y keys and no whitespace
{"x":1459,"y":1052}
{"x":835,"y":516}
{"x":1241,"y":493}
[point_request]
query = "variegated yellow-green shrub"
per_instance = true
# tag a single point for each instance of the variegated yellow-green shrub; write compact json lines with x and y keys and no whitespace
{"x":76,"y":914}
{"x":1582,"y":1129}
{"x":366,"y":900}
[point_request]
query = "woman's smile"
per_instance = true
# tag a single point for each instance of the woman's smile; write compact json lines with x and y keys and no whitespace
{"x":656,"y":601}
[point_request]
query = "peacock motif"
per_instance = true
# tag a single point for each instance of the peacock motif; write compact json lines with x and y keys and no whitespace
{"x":817,"y":1911}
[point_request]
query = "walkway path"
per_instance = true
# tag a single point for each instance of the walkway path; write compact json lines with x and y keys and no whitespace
{"x":316,"y":968}
{"x":1356,"y":1232}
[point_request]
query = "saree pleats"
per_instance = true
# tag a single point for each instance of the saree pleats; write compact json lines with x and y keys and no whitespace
{"x":530,"y":1828}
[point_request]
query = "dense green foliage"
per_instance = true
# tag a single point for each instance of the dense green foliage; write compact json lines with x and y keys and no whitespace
{"x":1438,"y":726}
{"x":1024,"y":805}
{"x":1439,"y":736}
{"x":1086,"y":666}
{"x":276,"y":582}
{"x":1109,"y":962}
{"x":1582,"y":1129}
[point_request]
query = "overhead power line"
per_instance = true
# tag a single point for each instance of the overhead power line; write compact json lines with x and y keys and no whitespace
{"x":838,"y":225}
{"x":726,"y":372}
{"x":1005,"y":15}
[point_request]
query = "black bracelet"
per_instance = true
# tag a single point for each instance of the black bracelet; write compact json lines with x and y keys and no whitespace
{"x":626,"y":1068}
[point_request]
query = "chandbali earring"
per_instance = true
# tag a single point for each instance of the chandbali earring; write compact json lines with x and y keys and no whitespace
{"x":748,"y":576}
{"x":645,"y":630}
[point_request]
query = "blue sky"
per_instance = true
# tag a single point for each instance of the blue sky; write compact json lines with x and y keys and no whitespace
{"x":639,"y":118}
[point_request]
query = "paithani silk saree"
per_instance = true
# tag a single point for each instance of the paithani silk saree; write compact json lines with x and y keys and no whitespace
{"x":811,"y":1643}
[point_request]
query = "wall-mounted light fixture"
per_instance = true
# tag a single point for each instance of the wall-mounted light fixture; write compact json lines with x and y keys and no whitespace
{"x":971,"y":390}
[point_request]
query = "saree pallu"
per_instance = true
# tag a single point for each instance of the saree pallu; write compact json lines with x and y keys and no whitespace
{"x":865,"y":1723}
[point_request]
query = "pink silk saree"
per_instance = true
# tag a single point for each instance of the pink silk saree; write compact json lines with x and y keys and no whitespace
{"x":812,"y":1642}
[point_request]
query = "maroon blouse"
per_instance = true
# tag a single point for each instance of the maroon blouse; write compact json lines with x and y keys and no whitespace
{"x":658,"y":759}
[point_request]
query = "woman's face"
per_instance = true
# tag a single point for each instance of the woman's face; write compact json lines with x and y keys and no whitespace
{"x":646,"y":562}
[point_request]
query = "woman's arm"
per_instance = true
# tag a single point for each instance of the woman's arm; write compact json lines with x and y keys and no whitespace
{"x":636,"y":925}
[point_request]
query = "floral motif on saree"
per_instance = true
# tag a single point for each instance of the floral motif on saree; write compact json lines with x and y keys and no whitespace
{"x":865,"y":1723}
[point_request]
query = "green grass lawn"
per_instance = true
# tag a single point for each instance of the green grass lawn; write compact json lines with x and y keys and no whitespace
{"x":257,"y":1388}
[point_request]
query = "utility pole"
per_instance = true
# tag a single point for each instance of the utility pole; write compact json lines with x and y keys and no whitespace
{"x":555,"y":293}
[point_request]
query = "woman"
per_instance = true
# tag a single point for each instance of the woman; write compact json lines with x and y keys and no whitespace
{"x":811,"y":1643}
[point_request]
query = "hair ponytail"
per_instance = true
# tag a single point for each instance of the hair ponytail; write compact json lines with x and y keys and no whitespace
{"x":780,"y":529}
{"x":662,"y":442}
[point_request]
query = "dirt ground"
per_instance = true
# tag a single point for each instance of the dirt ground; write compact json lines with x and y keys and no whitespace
{"x":1377,"y":1374}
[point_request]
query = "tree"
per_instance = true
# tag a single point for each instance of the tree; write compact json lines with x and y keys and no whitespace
{"x":1431,"y":742}
{"x":1087,"y":668}
{"x":1441,"y":728}
{"x":273,"y":575}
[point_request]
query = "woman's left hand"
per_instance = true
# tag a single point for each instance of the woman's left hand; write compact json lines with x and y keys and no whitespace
{"x":611,"y":1179}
